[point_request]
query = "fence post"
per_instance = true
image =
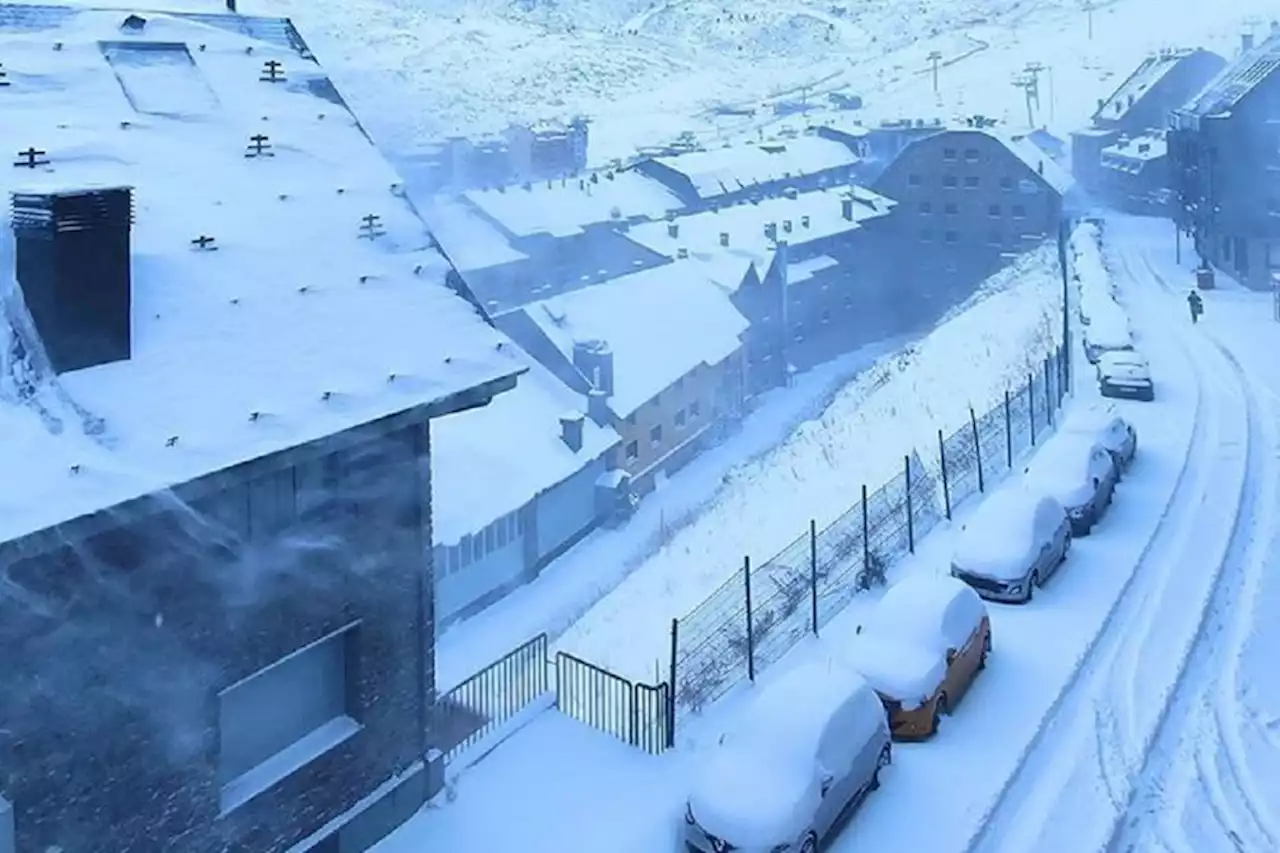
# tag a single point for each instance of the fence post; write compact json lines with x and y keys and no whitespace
{"x":1031,"y":405}
{"x":977,"y":449}
{"x":1064,"y":367}
{"x":671,"y":686}
{"x":946,"y":486}
{"x":751,"y":631}
{"x":911,"y":529}
{"x":1008,"y":431}
{"x":1048,"y":393}
{"x":813,"y":574}
{"x":866,"y":544}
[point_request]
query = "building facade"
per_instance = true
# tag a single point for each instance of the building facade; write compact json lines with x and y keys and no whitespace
{"x":1226,"y":167}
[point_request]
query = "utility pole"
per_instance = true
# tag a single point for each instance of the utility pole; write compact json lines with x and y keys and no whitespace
{"x":1023,"y":82}
{"x":935,"y":56}
{"x":1032,"y":70}
{"x":1088,"y":11}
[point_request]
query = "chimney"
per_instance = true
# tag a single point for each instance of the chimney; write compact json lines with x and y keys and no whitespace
{"x":682,"y":254}
{"x":72,"y":262}
{"x":786,"y":226}
{"x":571,"y":424}
{"x":598,"y":407}
{"x":771,"y":230}
{"x":1246,"y":42}
{"x":724,"y":238}
{"x":791,"y":193}
{"x":673,"y":230}
{"x":804,"y":221}
{"x":846,"y":209}
{"x":594,"y":360}
{"x":1144,"y":147}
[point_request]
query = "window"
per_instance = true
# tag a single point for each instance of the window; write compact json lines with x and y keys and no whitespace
{"x":926,"y":235}
{"x":680,"y":418}
{"x":491,"y":538}
{"x":502,"y":530}
{"x":1006,"y":183}
{"x":695,"y":409}
{"x":971,"y":155}
{"x":520,"y":525}
{"x":995,"y":238}
{"x":948,"y":154}
{"x":477,"y":547}
{"x":950,"y":182}
{"x":993,"y":210}
{"x":516,"y":528}
{"x":971,"y":182}
{"x":633,"y":451}
{"x":926,"y":207}
{"x":1019,"y":212}
{"x":464,"y":547}
{"x":848,"y":302}
{"x":951,"y":208}
{"x":826,"y":315}
{"x":286,"y":715}
{"x":655,"y":435}
{"x":951,"y":237}
{"x":913,"y":180}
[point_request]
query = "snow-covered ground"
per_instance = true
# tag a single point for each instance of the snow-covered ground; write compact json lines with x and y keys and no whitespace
{"x":817,"y":473}
{"x":647,"y":71}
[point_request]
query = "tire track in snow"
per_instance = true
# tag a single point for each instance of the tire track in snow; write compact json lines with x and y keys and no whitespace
{"x":1214,"y":768}
{"x":1192,"y":482}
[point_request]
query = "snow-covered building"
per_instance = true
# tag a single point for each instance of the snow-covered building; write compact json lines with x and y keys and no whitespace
{"x":656,"y":355}
{"x":1133,"y":116}
{"x":738,"y":173}
{"x":1225,"y":164}
{"x":521,"y":152}
{"x":810,"y":271}
{"x":523,"y":476}
{"x":225,"y":335}
{"x":878,"y":144}
{"x":970,"y":200}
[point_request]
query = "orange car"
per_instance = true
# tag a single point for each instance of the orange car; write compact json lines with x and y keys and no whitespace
{"x":921,"y":648}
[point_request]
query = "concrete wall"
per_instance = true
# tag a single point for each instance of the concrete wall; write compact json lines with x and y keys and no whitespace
{"x":128,"y":635}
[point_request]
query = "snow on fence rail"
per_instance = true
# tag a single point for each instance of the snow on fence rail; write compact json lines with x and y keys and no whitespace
{"x":760,"y":613}
{"x":764,"y":610}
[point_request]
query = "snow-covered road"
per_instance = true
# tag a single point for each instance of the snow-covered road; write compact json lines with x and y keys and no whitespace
{"x":1086,"y":762}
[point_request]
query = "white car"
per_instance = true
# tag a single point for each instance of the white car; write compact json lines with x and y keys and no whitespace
{"x":1124,"y":373}
{"x":1103,"y":424}
{"x":1080,"y":474}
{"x":1013,"y":543}
{"x":1108,"y":331}
{"x":809,"y":747}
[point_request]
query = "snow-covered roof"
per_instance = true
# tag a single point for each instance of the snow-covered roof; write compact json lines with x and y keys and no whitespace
{"x":723,"y":171}
{"x":466,"y":237}
{"x":295,"y":328}
{"x":700,"y":233}
{"x":1058,"y":178}
{"x":1002,"y":536}
{"x":565,"y":207}
{"x":1237,"y":80}
{"x":896,"y":667}
{"x":491,"y":461}
{"x":937,"y":611}
{"x":808,"y":268}
{"x":1144,"y":78}
{"x":660,"y":323}
{"x":1137,"y":151}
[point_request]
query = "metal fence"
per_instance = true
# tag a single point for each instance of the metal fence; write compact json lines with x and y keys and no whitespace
{"x":637,"y":714}
{"x":491,"y":698}
{"x":764,"y":610}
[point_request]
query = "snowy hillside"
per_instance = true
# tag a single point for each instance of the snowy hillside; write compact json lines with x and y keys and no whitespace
{"x":817,"y":472}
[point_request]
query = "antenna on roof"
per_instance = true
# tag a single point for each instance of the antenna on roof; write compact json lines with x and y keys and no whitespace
{"x":3,"y":75}
{"x":272,"y":72}
{"x":371,"y":227}
{"x":259,"y":146}
{"x":204,"y":243}
{"x":32,"y":157}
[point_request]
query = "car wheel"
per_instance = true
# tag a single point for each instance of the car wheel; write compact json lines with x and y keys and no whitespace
{"x":939,"y":710}
{"x":1032,"y":583}
{"x":986,"y":650}
{"x":810,"y":844}
{"x":886,"y":758}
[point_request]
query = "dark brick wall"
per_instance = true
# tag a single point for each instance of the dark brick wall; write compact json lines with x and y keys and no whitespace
{"x":116,"y":645}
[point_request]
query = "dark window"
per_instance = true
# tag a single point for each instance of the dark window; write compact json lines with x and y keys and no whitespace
{"x":951,"y":237}
{"x":695,"y":409}
{"x":951,"y":208}
{"x":1006,"y":183}
{"x":949,"y":181}
{"x":948,"y":153}
{"x":502,"y":530}
{"x":633,"y":451}
{"x":926,"y":235}
{"x":520,"y":525}
{"x":913,"y":180}
{"x":655,"y":435}
{"x":995,"y":238}
{"x":993,"y":210}
{"x":285,"y":716}
{"x":971,"y":182}
{"x":1019,"y":211}
{"x":477,"y":547}
{"x":826,"y":315}
{"x":848,"y":302}
{"x":971,"y":155}
{"x":513,"y":525}
{"x":491,"y":537}
{"x":680,"y":418}
{"x":464,"y":548}
{"x":455,"y":559}
{"x":926,"y":207}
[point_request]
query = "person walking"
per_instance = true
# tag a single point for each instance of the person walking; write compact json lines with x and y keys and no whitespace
{"x":1196,"y":304}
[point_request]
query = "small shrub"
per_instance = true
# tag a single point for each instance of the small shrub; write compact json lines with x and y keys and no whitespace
{"x":873,"y":573}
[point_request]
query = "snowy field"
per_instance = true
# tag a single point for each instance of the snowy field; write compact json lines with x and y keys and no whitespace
{"x":417,"y":71}
{"x":1042,"y":653}
{"x":817,"y":473}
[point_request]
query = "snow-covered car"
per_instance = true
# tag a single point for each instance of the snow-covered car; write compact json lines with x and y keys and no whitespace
{"x":1103,"y":424}
{"x":1108,"y":331}
{"x":1080,"y":474}
{"x":920,"y":649}
{"x":1125,"y":374}
{"x":1014,"y":541}
{"x":1093,"y":302}
{"x":807,"y":749}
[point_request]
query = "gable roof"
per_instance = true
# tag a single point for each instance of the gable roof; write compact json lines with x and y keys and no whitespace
{"x":1041,"y":164}
{"x":1237,"y":80}
{"x":1139,"y":84}
{"x":724,"y":171}
{"x":660,"y":324}
{"x":294,"y":329}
